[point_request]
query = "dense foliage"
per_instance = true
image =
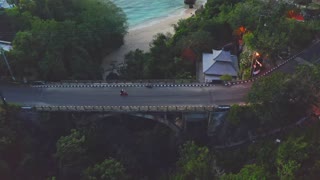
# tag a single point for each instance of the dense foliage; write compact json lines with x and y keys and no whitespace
{"x":86,"y":146}
{"x":293,"y":157}
{"x":276,"y":103}
{"x":278,"y":100}
{"x":179,"y":55}
{"x":82,"y":146}
{"x":109,"y":169}
{"x":158,"y":63}
{"x":67,"y":39}
{"x":60,"y":39}
{"x":266,"y":28}
{"x":194,"y":163}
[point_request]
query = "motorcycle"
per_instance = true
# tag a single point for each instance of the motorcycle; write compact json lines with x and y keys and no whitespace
{"x":123,"y":93}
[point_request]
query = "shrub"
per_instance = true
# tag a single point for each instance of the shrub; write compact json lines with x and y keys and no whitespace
{"x":226,"y":77}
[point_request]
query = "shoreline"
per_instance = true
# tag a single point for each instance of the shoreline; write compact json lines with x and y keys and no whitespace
{"x":140,"y":36}
{"x":154,"y":21}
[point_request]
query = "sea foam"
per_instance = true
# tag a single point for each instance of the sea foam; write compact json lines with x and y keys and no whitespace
{"x":141,"y":11}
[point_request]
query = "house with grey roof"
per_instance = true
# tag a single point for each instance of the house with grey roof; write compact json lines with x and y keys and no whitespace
{"x":5,"y":4}
{"x":5,"y":45}
{"x":219,"y":63}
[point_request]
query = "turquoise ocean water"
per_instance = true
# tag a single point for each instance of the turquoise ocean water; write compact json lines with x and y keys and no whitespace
{"x":139,"y":11}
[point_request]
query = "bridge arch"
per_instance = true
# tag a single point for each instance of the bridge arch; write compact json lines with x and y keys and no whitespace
{"x":154,"y":117}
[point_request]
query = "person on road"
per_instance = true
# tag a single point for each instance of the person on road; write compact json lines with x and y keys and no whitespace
{"x":122,"y":91}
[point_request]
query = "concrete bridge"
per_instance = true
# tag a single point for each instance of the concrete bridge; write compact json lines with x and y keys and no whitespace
{"x":106,"y":96}
{"x":178,"y":118}
{"x":174,"y":117}
{"x":193,"y":101}
{"x":109,"y":97}
{"x":175,"y":107}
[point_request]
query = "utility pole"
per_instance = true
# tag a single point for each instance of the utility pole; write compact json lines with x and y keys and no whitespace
{"x":251,"y":66}
{"x":7,"y":63}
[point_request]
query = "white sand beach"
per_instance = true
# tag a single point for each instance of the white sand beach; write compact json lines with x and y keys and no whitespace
{"x":139,"y":37}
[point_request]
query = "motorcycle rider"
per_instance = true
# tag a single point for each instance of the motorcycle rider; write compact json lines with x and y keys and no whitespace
{"x":122,"y":91}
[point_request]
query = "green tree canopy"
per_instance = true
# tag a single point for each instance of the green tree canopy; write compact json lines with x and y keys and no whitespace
{"x":290,"y":155}
{"x":71,"y":151}
{"x":280,"y":99}
{"x":70,"y":147}
{"x":268,"y":89}
{"x":245,"y":14}
{"x":249,"y":172}
{"x":109,"y":169}
{"x":65,"y":39}
{"x":199,"y":42}
{"x":195,"y":162}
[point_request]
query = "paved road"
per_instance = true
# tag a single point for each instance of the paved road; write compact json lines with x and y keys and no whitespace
{"x":216,"y":95}
{"x":140,"y":96}
{"x":311,"y":55}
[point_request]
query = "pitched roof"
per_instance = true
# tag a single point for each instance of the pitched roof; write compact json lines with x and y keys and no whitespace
{"x":220,"y":55}
{"x":219,"y":63}
{"x":5,"y":4}
{"x":207,"y":61}
{"x":221,"y":68}
{"x":5,"y":45}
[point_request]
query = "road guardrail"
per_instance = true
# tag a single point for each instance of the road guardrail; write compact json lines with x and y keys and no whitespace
{"x":105,"y":85}
{"x":208,"y":108}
